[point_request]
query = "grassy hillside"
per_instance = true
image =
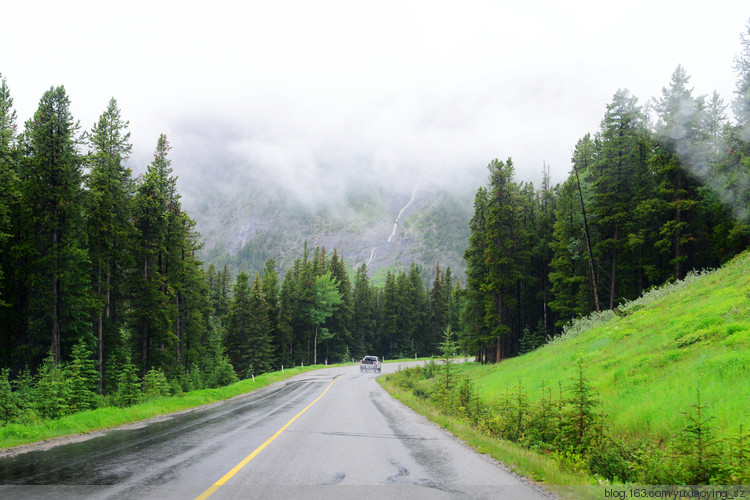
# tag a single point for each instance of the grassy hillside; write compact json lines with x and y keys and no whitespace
{"x":649,"y":363}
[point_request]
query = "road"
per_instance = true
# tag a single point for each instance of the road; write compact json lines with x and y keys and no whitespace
{"x":347,"y":439}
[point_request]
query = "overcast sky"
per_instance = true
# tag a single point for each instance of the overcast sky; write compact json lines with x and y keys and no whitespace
{"x":299,"y":88}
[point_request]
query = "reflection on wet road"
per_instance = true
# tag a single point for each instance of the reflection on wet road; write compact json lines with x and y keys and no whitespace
{"x":355,"y":435}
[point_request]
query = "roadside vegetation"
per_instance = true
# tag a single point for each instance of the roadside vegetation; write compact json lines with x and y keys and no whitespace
{"x":656,"y":394}
{"x":144,"y":400}
{"x":105,"y":304}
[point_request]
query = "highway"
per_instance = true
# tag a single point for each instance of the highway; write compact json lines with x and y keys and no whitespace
{"x":330,"y":433}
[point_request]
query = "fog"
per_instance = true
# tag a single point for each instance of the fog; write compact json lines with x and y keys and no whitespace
{"x":317,"y":99}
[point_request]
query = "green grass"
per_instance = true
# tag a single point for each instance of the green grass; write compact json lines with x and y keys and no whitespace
{"x":109,"y":417}
{"x":648,"y":364}
{"x":538,"y":467}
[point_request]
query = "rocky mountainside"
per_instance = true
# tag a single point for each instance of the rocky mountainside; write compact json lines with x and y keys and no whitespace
{"x":386,"y":228}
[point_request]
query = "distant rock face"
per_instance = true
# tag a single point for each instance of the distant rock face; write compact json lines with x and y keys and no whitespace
{"x":379,"y":227}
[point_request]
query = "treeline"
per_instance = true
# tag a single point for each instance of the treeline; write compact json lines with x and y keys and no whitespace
{"x":90,"y":255}
{"x":102,"y":297}
{"x":317,"y":315}
{"x":659,"y":190}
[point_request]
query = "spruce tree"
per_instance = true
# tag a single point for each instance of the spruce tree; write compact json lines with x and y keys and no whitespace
{"x":438,"y":308}
{"x":238,"y":325}
{"x":340,"y":320}
{"x":477,"y":335}
{"x":8,"y":160}
{"x":270,"y":286}
{"x":108,"y":213}
{"x":363,"y":314}
{"x":8,"y":400}
{"x":11,"y":320}
{"x":57,"y":261}
{"x":741,"y":101}
{"x":678,"y":134}
{"x":155,"y":384}
{"x":51,"y":390}
{"x":614,"y":178}
{"x":82,"y":378}
{"x":151,"y":295}
{"x":128,"y":385}
{"x":503,"y":271}
{"x":388,"y":332}
{"x":258,"y":348}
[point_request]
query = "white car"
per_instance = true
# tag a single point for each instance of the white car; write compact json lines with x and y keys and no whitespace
{"x":369,"y":363}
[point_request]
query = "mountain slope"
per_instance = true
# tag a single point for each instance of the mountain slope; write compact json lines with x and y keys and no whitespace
{"x":649,"y":363}
{"x":384,"y":228}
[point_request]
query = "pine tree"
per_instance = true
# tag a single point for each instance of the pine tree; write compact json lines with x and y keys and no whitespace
{"x":363,"y":314}
{"x":270,"y":286}
{"x":614,"y":177}
{"x":8,"y":400}
{"x":448,"y":351}
{"x":108,"y":213}
{"x":219,"y":285}
{"x":580,"y":417}
{"x":736,"y":171}
{"x":678,"y":134}
{"x":286,"y":320}
{"x":388,"y":331}
{"x":57,"y":261}
{"x":151,"y":295}
{"x":258,"y":349}
{"x":477,"y":335}
{"x":51,"y":392}
{"x":155,"y":384}
{"x":11,"y":322}
{"x":438,"y":307}
{"x":238,"y":325}
{"x":8,"y":160}
{"x":82,"y":378}
{"x":415,"y":335}
{"x":128,"y":385}
{"x":340,"y":320}
{"x":741,"y":102}
{"x":501,"y":227}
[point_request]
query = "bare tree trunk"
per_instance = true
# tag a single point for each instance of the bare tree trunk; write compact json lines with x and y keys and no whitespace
{"x":613,"y":276}
{"x":55,"y":301}
{"x":677,"y":236}
{"x":586,"y":233}
{"x":178,"y":329}
{"x":144,"y":346}
{"x":99,"y":339}
{"x":99,"y":333}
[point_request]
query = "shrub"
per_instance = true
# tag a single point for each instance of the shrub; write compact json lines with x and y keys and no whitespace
{"x":612,"y":459}
{"x":734,"y":468}
{"x":222,"y":374}
{"x":155,"y":384}
{"x":580,"y":419}
{"x":51,"y":394}
{"x":83,"y":378}
{"x":8,"y":400}
{"x":128,"y":385}
{"x":697,"y":446}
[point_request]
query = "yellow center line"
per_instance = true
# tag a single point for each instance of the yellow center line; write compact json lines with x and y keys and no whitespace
{"x":260,"y":448}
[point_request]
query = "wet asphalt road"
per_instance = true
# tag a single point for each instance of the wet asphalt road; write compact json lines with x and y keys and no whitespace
{"x":354,"y":442}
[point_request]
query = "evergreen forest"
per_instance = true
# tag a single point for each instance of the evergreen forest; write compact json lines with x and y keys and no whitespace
{"x":103,"y":299}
